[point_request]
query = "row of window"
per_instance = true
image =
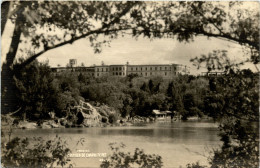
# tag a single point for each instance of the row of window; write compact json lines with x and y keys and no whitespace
{"x":102,"y":69}
{"x":135,"y":69}
{"x":151,"y":73}
{"x":118,"y":73}
{"x":151,"y":68}
{"x":145,"y":74}
{"x":118,"y":68}
{"x":113,"y":69}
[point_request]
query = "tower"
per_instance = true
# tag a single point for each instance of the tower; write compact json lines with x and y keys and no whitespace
{"x":73,"y":62}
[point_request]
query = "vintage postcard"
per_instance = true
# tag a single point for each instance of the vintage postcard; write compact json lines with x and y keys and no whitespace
{"x":88,"y":84}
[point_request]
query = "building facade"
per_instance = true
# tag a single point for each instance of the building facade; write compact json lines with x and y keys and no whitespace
{"x":102,"y":70}
{"x":149,"y":70}
{"x":118,"y":70}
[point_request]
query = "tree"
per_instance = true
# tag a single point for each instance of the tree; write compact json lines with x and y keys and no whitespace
{"x":154,"y":20}
{"x":77,"y":20}
{"x":235,"y":104}
{"x":144,"y":87}
{"x":185,"y":20}
{"x":31,"y":16}
{"x":18,"y":152}
{"x":34,"y":93}
{"x":151,"y":86}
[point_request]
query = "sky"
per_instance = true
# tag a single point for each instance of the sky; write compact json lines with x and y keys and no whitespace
{"x":141,"y":51}
{"x":144,"y":51}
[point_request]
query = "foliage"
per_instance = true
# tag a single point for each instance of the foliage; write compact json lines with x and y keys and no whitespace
{"x":233,"y":101}
{"x":127,"y":160}
{"x":240,"y":149}
{"x":195,"y":165}
{"x":34,"y":91}
{"x":239,"y":120}
{"x":36,"y":23}
{"x":20,"y":153}
{"x":234,"y":97}
{"x":112,"y":118}
{"x":139,"y":96}
{"x":38,"y":92}
{"x":183,"y":20}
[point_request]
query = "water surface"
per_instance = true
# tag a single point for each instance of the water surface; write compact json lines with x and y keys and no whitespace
{"x":179,"y":143}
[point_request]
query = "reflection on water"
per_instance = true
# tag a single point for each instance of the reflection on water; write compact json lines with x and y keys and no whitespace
{"x":179,"y":143}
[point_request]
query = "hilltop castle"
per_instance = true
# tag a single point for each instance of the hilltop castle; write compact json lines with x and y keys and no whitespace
{"x":148,"y":70}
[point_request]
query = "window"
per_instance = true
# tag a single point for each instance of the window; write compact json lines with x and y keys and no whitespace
{"x":116,"y":68}
{"x":102,"y":69}
{"x":123,"y":73}
{"x":120,"y":73}
{"x":113,"y":73}
{"x":107,"y":69}
{"x":131,"y":68}
{"x":151,"y":73}
{"x":146,"y":74}
{"x":97,"y":69}
{"x":120,"y":68}
{"x":113,"y":69}
{"x":136,"y":68}
{"x":146,"y":68}
{"x":165,"y":73}
{"x":97,"y":74}
{"x":141,"y":73}
{"x":165,"y":68}
{"x":151,"y":68}
{"x":116,"y":73}
{"x":155,"y":68}
{"x":160,"y":68}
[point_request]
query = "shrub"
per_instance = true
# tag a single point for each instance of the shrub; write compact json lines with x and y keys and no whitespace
{"x":126,"y":160}
{"x":20,"y":153}
{"x":194,"y":111}
{"x":112,"y":118}
{"x":195,"y":165}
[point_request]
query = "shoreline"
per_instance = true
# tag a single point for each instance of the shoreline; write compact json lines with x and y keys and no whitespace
{"x":52,"y":124}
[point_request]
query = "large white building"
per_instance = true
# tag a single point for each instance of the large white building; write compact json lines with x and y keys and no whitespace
{"x":163,"y":70}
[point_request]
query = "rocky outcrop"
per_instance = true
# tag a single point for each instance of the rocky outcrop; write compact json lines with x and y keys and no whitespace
{"x":26,"y":125}
{"x":50,"y":124}
{"x":105,"y":110}
{"x":87,"y":115}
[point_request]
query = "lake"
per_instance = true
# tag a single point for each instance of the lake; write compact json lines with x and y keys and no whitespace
{"x":178,"y":143}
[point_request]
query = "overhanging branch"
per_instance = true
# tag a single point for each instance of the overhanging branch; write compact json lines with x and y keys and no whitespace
{"x":103,"y":29}
{"x":32,"y":58}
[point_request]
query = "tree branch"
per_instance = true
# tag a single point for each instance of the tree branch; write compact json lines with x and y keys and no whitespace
{"x":103,"y":29}
{"x":32,"y":58}
{"x":5,"y":7}
{"x":202,"y":32}
{"x":201,"y":14}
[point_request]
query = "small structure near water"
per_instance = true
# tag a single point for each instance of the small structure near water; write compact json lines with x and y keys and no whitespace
{"x":159,"y":115}
{"x":163,"y":114}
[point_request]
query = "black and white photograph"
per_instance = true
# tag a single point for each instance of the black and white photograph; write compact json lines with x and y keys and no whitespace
{"x":130,"y":84}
